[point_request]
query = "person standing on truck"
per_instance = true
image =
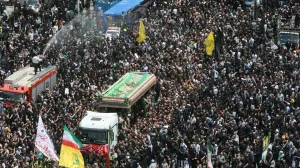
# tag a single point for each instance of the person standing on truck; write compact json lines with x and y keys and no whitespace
{"x":36,"y":60}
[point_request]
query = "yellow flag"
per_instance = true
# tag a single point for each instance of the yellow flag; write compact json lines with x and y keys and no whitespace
{"x":70,"y":155}
{"x":210,"y":43}
{"x":142,"y":33}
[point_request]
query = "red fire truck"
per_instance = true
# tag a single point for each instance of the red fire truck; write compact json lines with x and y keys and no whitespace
{"x":25,"y":86}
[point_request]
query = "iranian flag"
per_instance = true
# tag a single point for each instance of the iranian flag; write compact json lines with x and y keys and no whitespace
{"x":179,"y":2}
{"x":70,"y":155}
{"x":209,"y":153}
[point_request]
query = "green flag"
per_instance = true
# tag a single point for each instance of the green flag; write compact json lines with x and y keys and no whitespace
{"x":111,"y":135}
{"x":209,"y":153}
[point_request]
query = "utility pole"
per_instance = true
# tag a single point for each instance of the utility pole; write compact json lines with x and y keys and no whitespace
{"x":255,"y":9}
{"x":78,"y":6}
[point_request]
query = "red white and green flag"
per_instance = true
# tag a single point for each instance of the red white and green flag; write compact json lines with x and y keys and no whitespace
{"x":70,"y":155}
{"x":209,"y":153}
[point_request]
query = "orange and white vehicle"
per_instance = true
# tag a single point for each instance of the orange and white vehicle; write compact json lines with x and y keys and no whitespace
{"x":25,"y":86}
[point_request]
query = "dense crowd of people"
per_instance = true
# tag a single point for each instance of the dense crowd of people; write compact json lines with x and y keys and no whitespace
{"x":247,"y":89}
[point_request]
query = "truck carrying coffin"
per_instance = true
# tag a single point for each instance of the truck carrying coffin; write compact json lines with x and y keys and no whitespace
{"x":127,"y":90}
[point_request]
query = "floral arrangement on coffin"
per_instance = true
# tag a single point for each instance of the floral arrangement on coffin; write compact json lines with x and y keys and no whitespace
{"x":116,"y":94}
{"x":132,"y":84}
{"x":99,"y":96}
{"x":127,"y":101}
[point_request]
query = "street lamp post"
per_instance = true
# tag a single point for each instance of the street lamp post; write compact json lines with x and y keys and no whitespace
{"x":78,"y":6}
{"x":255,"y":9}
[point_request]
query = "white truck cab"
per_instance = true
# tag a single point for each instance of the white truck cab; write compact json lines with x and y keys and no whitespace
{"x":112,"y":32}
{"x":99,"y":129}
{"x":284,"y":36}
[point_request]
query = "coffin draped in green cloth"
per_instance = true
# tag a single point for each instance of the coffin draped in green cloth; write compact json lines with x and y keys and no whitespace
{"x":127,"y":85}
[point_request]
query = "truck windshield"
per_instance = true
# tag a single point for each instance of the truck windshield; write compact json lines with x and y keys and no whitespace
{"x":113,"y":33}
{"x":94,"y":137}
{"x":10,"y":96}
{"x":284,"y":37}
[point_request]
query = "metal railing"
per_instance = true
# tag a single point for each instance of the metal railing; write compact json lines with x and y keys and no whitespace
{"x":290,"y":29}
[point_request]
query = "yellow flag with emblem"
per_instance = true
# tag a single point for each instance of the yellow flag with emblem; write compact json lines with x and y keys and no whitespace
{"x":209,"y":43}
{"x":70,"y":155}
{"x":142,"y":33}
